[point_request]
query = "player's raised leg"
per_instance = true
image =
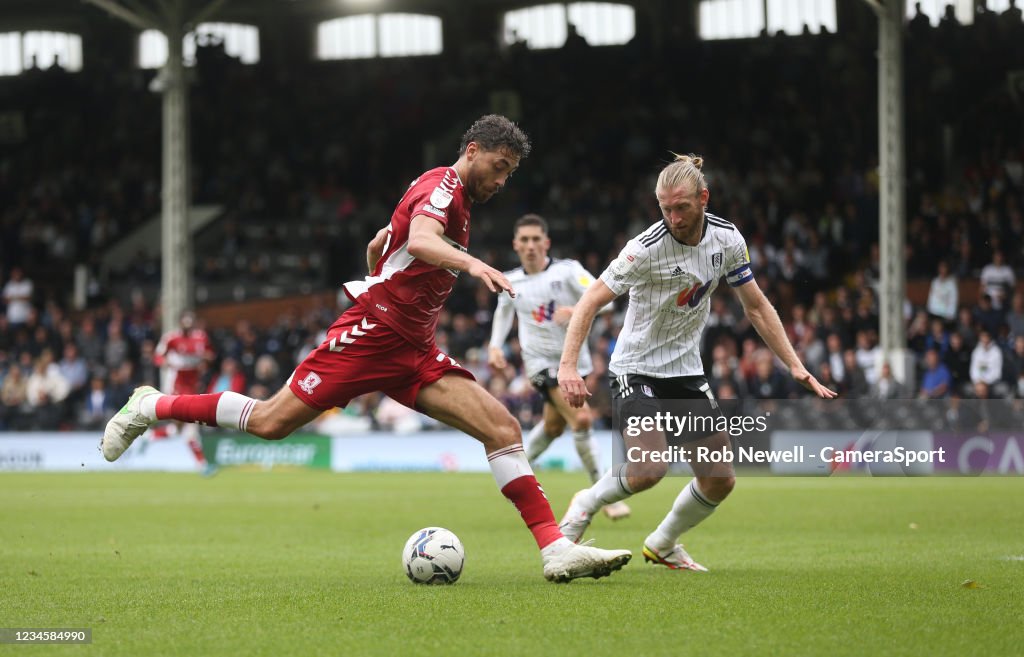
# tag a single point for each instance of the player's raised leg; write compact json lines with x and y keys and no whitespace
{"x":272,"y":419}
{"x":463,"y":404}
{"x":697,"y":501}
{"x":579,"y":419}
{"x":326,"y":378}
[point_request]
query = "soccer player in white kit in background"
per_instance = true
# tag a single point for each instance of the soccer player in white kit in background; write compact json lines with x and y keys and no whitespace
{"x":546,"y":292}
{"x":670,"y":271}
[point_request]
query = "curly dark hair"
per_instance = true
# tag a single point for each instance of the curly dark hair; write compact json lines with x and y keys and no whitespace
{"x":495,"y":132}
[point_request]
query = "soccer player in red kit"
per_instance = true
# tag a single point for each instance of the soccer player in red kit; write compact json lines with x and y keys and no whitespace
{"x":385,"y":342}
{"x":179,"y":354}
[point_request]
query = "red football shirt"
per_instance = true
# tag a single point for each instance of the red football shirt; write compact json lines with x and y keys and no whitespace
{"x":181,"y":354}
{"x":405,"y":293}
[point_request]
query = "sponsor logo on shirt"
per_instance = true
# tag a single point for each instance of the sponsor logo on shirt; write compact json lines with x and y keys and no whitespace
{"x":692,"y":296}
{"x":427,"y":207}
{"x":544,"y":312}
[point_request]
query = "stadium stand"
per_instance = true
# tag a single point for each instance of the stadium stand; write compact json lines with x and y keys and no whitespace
{"x":306,"y":164}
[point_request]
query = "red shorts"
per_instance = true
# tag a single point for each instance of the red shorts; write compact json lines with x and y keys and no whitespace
{"x":362,"y":354}
{"x":183,"y":383}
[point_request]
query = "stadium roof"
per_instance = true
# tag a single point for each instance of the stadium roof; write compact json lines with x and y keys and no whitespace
{"x":34,"y":14}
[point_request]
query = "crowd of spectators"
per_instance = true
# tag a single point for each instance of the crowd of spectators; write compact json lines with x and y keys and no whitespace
{"x":323,"y":151}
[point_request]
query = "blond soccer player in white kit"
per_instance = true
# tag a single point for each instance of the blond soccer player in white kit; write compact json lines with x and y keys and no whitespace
{"x":670,"y":271}
{"x":546,"y":292}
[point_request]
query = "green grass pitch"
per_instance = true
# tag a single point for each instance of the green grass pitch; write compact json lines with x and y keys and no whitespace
{"x":301,"y":563}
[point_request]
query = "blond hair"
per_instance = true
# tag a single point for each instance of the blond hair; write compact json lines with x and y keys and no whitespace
{"x":684,"y":171}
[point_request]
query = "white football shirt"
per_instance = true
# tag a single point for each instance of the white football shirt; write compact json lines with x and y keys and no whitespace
{"x":670,"y":286}
{"x":561,"y":283}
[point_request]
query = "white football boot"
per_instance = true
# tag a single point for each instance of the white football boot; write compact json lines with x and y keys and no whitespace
{"x":578,"y":561}
{"x":127,"y":425}
{"x":576,"y":520}
{"x":677,"y":559}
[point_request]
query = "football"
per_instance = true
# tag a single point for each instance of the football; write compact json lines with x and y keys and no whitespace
{"x":433,"y":555}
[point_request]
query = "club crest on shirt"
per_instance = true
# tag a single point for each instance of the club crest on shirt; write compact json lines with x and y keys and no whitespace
{"x":716,"y":260}
{"x":556,"y":286}
{"x":311,"y":381}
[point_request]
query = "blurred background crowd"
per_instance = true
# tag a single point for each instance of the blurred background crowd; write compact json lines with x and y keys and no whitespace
{"x":308,"y":162}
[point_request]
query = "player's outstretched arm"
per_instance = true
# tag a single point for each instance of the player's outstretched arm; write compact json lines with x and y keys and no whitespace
{"x":501,"y":325}
{"x":375,"y":249}
{"x":569,"y":379}
{"x":426,"y":244}
{"x":766,"y":321}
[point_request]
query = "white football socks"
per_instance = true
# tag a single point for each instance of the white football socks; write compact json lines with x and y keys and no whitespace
{"x":147,"y":406}
{"x":234,"y":410}
{"x":689,"y":510}
{"x":586,"y":447}
{"x":508,"y":464}
{"x":612,"y":487}
{"x":537,"y":442}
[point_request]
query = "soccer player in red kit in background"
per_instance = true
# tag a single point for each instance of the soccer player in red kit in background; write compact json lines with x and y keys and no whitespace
{"x":180,"y":354}
{"x":385,"y":342}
